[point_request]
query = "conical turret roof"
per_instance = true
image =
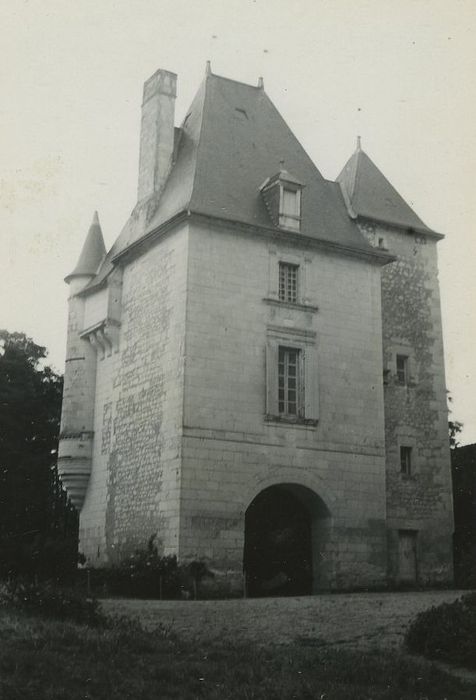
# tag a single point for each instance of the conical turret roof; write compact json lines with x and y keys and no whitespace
{"x":372,"y":196}
{"x":92,"y":253}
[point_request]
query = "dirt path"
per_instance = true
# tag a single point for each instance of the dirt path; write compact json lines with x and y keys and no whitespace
{"x":358,"y":620}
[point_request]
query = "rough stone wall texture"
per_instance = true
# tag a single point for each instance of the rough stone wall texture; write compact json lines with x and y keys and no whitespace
{"x":416,"y":414}
{"x":230,"y":452}
{"x":134,"y":488}
{"x":79,"y":380}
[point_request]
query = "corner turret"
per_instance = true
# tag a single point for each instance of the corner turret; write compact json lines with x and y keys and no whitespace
{"x":92,"y":253}
{"x":369,"y":196}
{"x":77,"y":415}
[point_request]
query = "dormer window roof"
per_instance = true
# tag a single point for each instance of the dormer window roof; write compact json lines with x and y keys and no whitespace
{"x":282,"y":196}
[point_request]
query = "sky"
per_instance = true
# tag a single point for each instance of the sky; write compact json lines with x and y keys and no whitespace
{"x":400,"y":74}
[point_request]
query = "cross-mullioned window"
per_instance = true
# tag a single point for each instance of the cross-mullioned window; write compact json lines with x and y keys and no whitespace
{"x":289,"y":390}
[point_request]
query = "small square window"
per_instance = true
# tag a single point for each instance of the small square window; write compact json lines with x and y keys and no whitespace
{"x":406,"y":460}
{"x":402,"y":369}
{"x":290,"y":393}
{"x":288,"y":282}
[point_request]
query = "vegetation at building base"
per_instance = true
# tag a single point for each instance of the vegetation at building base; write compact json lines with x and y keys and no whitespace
{"x":38,"y":526}
{"x":49,"y":600}
{"x":147,"y":574}
{"x":446,"y":632}
{"x":42,"y":659}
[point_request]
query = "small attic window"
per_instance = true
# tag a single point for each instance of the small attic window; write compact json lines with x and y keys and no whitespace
{"x":290,"y":208}
{"x":282,"y":197}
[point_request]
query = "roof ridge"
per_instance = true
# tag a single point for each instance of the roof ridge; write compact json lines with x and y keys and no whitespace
{"x":232,"y":80}
{"x":204,"y":85}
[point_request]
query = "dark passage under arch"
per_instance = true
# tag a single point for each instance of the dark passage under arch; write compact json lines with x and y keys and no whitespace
{"x":278,"y":544}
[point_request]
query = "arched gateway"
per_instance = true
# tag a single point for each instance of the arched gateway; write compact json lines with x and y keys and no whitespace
{"x":287,"y":528}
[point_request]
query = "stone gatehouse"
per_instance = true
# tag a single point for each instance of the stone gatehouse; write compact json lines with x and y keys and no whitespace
{"x":254,"y":370}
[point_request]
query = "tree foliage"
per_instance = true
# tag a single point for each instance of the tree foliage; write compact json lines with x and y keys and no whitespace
{"x":37,"y":525}
{"x":454,"y":428}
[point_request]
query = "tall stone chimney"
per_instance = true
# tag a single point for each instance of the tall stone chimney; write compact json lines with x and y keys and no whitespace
{"x":157,"y":132}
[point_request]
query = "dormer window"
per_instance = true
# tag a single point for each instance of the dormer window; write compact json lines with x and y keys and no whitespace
{"x":290,"y":208}
{"x":282,"y":196}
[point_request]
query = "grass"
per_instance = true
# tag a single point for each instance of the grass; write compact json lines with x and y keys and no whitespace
{"x":42,"y":659}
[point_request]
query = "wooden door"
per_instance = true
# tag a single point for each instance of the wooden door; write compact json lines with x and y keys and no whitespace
{"x":407,"y":558}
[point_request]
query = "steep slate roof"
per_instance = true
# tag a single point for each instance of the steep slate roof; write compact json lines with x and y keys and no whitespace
{"x":372,"y":196}
{"x":92,"y":253}
{"x":232,"y":139}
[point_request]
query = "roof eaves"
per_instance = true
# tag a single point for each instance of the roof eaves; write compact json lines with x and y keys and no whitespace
{"x":404,"y":227}
{"x":93,"y":287}
{"x":380,"y":256}
{"x":135,"y":247}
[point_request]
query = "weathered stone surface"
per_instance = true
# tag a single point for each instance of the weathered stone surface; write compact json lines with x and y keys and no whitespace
{"x":416,"y":414}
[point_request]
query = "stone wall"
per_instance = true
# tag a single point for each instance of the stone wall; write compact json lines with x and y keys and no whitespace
{"x":231,"y":451}
{"x":134,"y":488}
{"x":415,"y":413}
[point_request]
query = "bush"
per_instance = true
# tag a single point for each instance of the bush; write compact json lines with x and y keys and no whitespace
{"x":49,"y":600}
{"x":147,"y":574}
{"x":446,"y":632}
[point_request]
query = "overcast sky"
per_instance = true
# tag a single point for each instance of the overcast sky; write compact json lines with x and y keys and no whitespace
{"x":401,"y":74}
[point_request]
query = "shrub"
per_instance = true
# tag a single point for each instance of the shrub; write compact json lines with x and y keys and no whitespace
{"x":49,"y":600}
{"x":446,"y":632}
{"x":147,"y":574}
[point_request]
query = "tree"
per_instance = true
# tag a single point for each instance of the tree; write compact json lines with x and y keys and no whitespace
{"x":454,"y":428}
{"x":37,"y":524}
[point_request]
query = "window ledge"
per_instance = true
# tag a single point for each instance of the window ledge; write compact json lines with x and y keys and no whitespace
{"x":290,"y":420}
{"x":290,"y":305}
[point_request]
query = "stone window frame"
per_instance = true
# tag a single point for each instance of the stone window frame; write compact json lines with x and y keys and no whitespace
{"x":304,"y":342}
{"x":288,"y":282}
{"x":406,"y":438}
{"x":303,"y":262}
{"x":285,"y":364}
{"x":288,"y":219}
{"x":402,"y":349}
{"x":402,"y":370}
{"x":406,"y":460}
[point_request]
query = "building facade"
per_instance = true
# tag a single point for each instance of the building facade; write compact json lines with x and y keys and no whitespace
{"x":254,"y":371}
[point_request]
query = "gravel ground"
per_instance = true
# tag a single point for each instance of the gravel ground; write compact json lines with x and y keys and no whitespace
{"x":353,"y":620}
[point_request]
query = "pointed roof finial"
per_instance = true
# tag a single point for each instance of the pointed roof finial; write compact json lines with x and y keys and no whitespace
{"x":208,"y":68}
{"x":92,"y":252}
{"x":359,"y":143}
{"x":281,"y":164}
{"x":261,"y":83}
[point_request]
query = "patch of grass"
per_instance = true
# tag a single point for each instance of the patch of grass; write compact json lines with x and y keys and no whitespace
{"x":42,"y":659}
{"x":446,"y":632}
{"x":50,"y":600}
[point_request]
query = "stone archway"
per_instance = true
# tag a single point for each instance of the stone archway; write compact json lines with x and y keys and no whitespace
{"x":286,"y":531}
